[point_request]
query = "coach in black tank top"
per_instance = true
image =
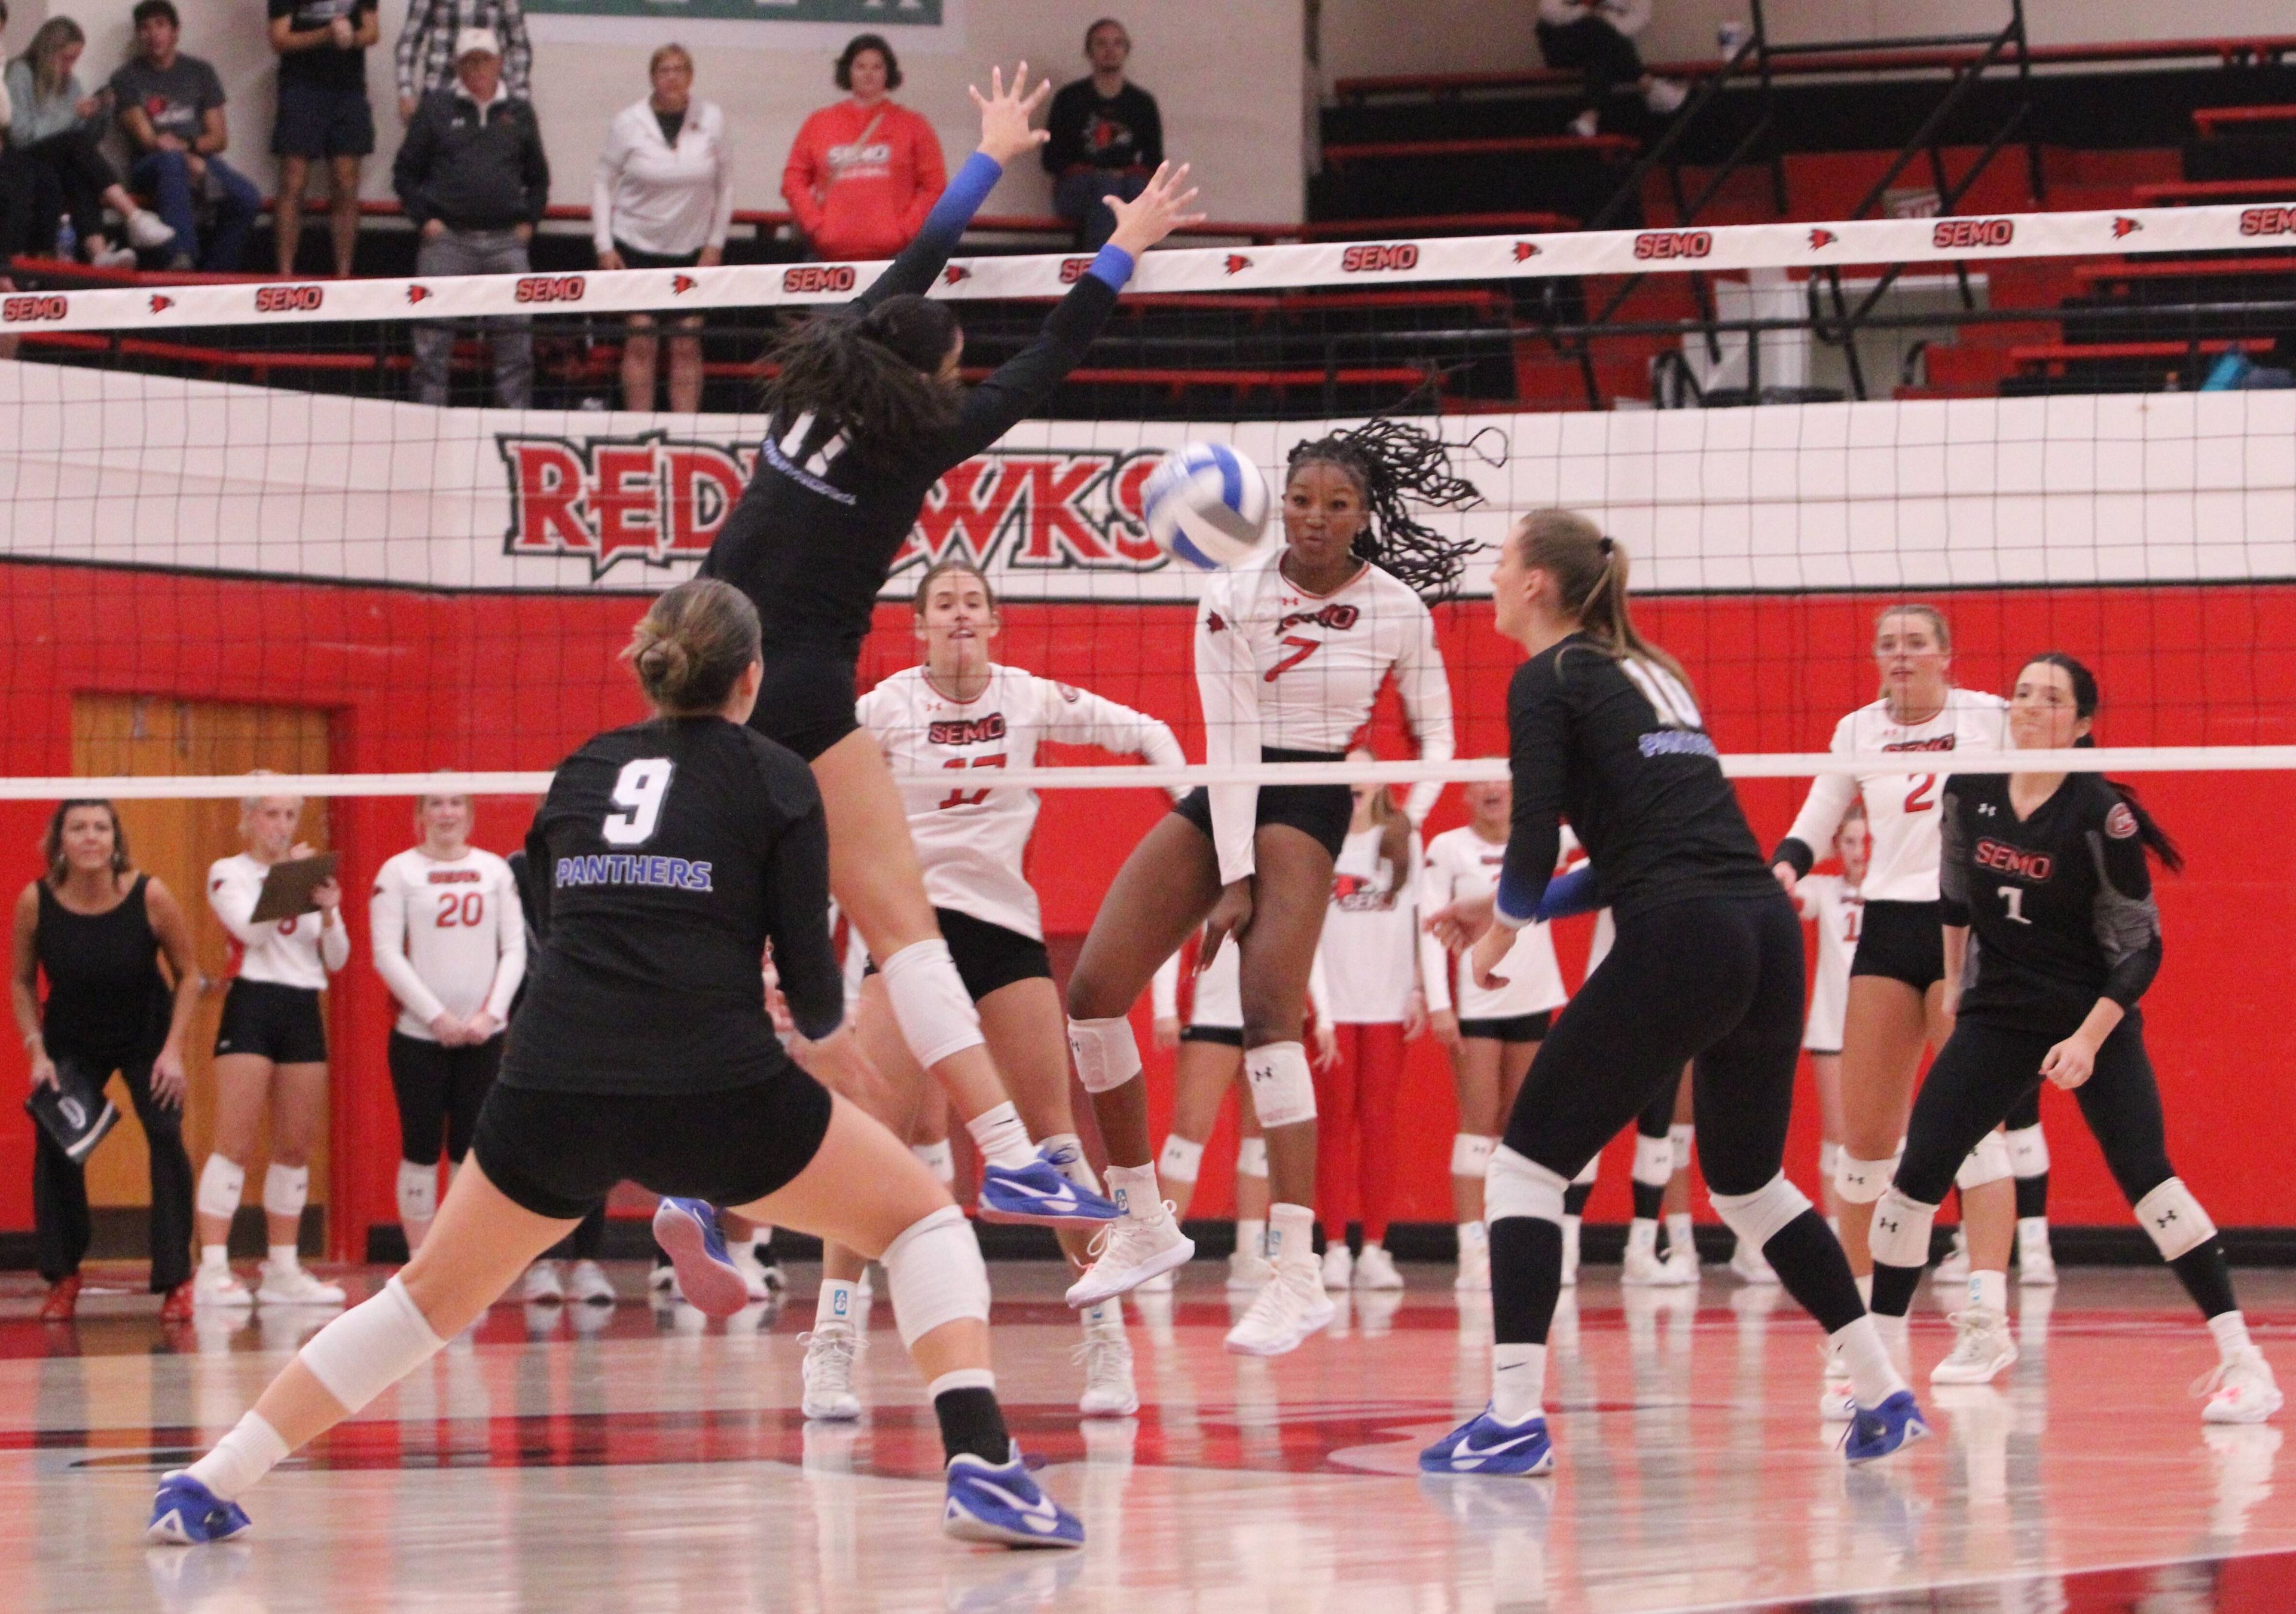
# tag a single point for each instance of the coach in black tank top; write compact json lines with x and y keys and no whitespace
{"x":96,"y":928}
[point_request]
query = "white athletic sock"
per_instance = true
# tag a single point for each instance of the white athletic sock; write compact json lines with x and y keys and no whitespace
{"x":284,"y":1258}
{"x":940,"y":1159}
{"x":1001,"y":1138}
{"x":1641,"y":1234}
{"x":1181,"y":1159}
{"x":1872,"y":1376}
{"x":251,"y":1450}
{"x":1134,"y":1191}
{"x":1107,"y":1315}
{"x":2231,"y":1331}
{"x":1251,"y":1236}
{"x":1291,"y":1234}
{"x":1989,"y":1291}
{"x":1474,"y":1235}
{"x":215,"y":1257}
{"x":1518,"y":1382}
{"x":833,"y":1306}
{"x":1678,"y":1234}
{"x":1866,"y":1289}
{"x":1372,"y":1244}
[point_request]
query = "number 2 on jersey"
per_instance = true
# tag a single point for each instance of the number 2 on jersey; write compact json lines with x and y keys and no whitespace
{"x":640,"y":791}
{"x":1922,"y":796}
{"x":957,"y":799}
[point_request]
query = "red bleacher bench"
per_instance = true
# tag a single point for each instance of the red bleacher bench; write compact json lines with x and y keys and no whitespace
{"x":2209,"y":119}
{"x":2198,"y":268}
{"x":1527,"y":145}
{"x":2050,"y":354}
{"x":2178,"y":192}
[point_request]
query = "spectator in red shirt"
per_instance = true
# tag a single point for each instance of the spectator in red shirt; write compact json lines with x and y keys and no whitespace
{"x":862,"y":174}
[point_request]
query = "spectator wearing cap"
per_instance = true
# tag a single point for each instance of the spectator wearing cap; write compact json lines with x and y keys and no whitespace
{"x":426,"y":46}
{"x":863,"y":173}
{"x":1597,"y":38}
{"x":170,"y":106}
{"x":663,"y":199}
{"x":324,"y":115}
{"x":473,"y":179}
{"x":1106,"y":137}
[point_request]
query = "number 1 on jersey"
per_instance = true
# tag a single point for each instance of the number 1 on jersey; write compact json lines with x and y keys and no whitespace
{"x":2013,"y":897}
{"x":640,"y":791}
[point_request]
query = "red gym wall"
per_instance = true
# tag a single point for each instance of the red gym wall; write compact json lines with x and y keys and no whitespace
{"x":417,"y":681}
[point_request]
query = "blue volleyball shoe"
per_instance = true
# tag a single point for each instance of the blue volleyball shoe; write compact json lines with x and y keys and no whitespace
{"x":687,"y":1229}
{"x":1484,"y":1446}
{"x":1878,"y":1431}
{"x":1003,"y":1507}
{"x":1037,"y":1193}
{"x":186,"y":1514}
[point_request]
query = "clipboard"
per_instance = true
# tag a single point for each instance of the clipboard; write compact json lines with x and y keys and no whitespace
{"x":287,"y":889}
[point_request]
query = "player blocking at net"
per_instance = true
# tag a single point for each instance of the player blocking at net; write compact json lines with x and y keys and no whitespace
{"x":1706,"y":965}
{"x":673,"y":851}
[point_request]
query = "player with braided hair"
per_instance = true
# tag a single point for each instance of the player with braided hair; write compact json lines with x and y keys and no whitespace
{"x":1291,"y":648}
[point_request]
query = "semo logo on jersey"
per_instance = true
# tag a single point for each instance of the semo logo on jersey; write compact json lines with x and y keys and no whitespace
{"x":660,"y":500}
{"x":966,"y":731}
{"x":2003,"y":859}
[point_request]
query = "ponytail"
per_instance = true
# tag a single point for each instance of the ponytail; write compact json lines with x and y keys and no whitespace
{"x":876,"y":375}
{"x":2085,"y":699}
{"x":691,"y":646}
{"x":1591,"y":571}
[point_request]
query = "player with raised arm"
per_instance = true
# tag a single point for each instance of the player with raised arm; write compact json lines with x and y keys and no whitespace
{"x":1706,"y":965}
{"x":1291,"y":649}
{"x":867,"y":414}
{"x":2047,"y":872}
{"x":677,"y":849}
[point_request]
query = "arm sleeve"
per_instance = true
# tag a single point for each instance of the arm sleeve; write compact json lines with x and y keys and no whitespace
{"x":510,"y":950}
{"x":1164,"y":989}
{"x":2127,"y":922}
{"x":797,"y":183}
{"x":535,"y":888}
{"x":812,"y":983}
{"x":386,"y":920}
{"x":932,"y":180}
{"x":1538,"y":731}
{"x":1426,"y":693}
{"x":1953,"y":858}
{"x":233,"y":896}
{"x":335,"y":942}
{"x":1822,"y":810}
{"x":517,"y":50}
{"x":721,"y":216}
{"x":1319,"y":989}
{"x":917,"y":266}
{"x":610,"y":159}
{"x":410,"y":44}
{"x":1226,"y":684}
{"x":1077,"y":717}
{"x":1023,"y":383}
{"x":1064,"y":128}
{"x":1568,"y":895}
{"x":1434,"y":958}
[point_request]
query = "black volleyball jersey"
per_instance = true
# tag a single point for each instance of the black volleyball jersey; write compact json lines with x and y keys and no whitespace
{"x":2059,"y":905}
{"x":1617,"y":747}
{"x":666,"y":855}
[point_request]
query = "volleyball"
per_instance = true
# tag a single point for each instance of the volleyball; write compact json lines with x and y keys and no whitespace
{"x":1207,"y":505}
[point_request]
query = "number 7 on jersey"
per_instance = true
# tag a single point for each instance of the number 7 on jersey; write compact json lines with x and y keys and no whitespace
{"x":640,"y":791}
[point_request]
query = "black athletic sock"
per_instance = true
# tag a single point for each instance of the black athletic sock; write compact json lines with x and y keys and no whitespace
{"x":970,"y":1421}
{"x":1575,"y":1198}
{"x":2033,"y":1196}
{"x":1649,"y":1202}
{"x":1808,"y":1261}
{"x":1526,"y":1278}
{"x":2206,"y":1276}
{"x":1893,"y":1288}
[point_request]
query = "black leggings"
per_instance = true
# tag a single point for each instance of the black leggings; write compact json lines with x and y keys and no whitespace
{"x":60,"y":1187}
{"x":440,"y":1090}
{"x":84,"y":174}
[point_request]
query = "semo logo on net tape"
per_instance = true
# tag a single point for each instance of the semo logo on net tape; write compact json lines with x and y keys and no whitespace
{"x":289,"y":299}
{"x":34,"y":307}
{"x":2267,"y":221}
{"x":660,"y":501}
{"x":1951,"y":233}
{"x":1674,"y":243}
{"x":550,"y":288}
{"x":808,"y":278}
{"x":1379,"y":257}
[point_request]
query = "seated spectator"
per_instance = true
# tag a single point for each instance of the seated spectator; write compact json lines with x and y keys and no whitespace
{"x":426,"y":46}
{"x":171,"y":107}
{"x":29,"y":199}
{"x":324,"y":116}
{"x":473,"y":179}
{"x":663,"y":199}
{"x":1596,"y":36}
{"x":54,"y":122}
{"x":862,"y":174}
{"x":1107,"y":137}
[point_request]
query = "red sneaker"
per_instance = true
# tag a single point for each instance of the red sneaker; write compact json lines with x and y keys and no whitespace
{"x":178,"y":1306}
{"x":63,"y":1299}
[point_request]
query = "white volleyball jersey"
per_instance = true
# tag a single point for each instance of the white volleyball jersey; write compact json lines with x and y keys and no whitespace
{"x":1218,"y":1003}
{"x":1901,"y":809}
{"x":971,"y":836}
{"x":1370,"y":948}
{"x":449,"y":936}
{"x":1278,"y":668}
{"x":1839,"y":908}
{"x":1461,"y":865}
{"x":301,"y":950}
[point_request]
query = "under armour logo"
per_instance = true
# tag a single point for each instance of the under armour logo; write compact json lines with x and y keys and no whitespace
{"x":1985,"y":808}
{"x":2164,"y":1219}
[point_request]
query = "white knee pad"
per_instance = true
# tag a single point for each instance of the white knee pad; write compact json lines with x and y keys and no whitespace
{"x":2028,"y":1153}
{"x":418,"y":1191}
{"x":1680,"y":1137}
{"x":286,"y":1189}
{"x":221,"y":1184}
{"x":1653,"y":1160}
{"x":940,"y":1159}
{"x":1182,"y":1159}
{"x":936,"y":1273}
{"x":1588,"y":1172}
{"x":371,"y":1347}
{"x":1471,"y":1154}
{"x":1064,"y":1151}
{"x":1900,"y":1236}
{"x":1862,"y":1181}
{"x":1106,"y":1055}
{"x":1988,"y":1162}
{"x":930,"y":1002}
{"x":1520,"y":1186}
{"x":1282,"y":1088}
{"x":2175,"y":1220}
{"x":1251,"y":1158}
{"x":1756,"y":1217}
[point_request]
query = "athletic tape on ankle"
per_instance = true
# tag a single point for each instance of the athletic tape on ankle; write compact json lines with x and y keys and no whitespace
{"x":936,"y":1274}
{"x":931,"y":1004}
{"x":371,"y":1347}
{"x":1988,"y":1162}
{"x":1653,"y":1160}
{"x":1829,"y":1161}
{"x":1182,"y":1159}
{"x":1471,"y":1154}
{"x":1064,"y":1151}
{"x":1105,"y":1053}
{"x":1283,"y":1087}
{"x":2174,"y":1219}
{"x":1862,"y":1181}
{"x":940,"y":1159}
{"x":286,"y":1190}
{"x":1758,"y":1216}
{"x":2028,"y":1153}
{"x":1519,"y":1186}
{"x":221,"y":1184}
{"x":418,"y":1191}
{"x":1251,"y":1158}
{"x":1681,"y":1137}
{"x":1900,"y":1233}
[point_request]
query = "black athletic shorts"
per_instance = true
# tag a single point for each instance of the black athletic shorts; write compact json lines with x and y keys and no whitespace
{"x":1511,"y":1029}
{"x":318,"y":120}
{"x":557,"y":1154}
{"x":1226,"y":1036}
{"x":634,"y":257}
{"x":278,"y":1023}
{"x":1320,"y":811}
{"x":988,"y":956}
{"x":1904,"y":941}
{"x":806,"y":702}
{"x":439,"y":1091}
